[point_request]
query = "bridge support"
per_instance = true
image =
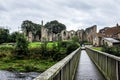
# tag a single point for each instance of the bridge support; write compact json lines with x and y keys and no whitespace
{"x":107,"y":64}
{"x":64,"y":69}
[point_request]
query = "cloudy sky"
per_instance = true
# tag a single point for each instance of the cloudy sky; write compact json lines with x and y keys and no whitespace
{"x":75,"y":14}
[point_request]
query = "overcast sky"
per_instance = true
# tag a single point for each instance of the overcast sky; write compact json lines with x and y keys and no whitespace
{"x":75,"y":14}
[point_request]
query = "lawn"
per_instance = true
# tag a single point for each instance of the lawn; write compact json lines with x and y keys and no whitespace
{"x":34,"y":44}
{"x":38,"y":44}
{"x":97,"y":48}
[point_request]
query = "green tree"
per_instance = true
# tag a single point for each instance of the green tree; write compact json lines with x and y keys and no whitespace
{"x":13,"y":36}
{"x":4,"y":35}
{"x":72,"y":46}
{"x":37,"y":30}
{"x":28,"y":26}
{"x":21,"y":49}
{"x":55,"y":26}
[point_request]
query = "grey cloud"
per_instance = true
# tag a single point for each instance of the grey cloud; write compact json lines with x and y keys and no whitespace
{"x":77,"y":13}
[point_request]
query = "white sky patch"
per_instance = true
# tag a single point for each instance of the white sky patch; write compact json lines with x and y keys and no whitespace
{"x":75,"y":14}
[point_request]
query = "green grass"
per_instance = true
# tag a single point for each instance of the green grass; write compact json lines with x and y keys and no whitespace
{"x":34,"y":44}
{"x":6,"y":45}
{"x":97,"y":48}
{"x":38,"y":44}
{"x":31,"y":45}
{"x":7,"y":63}
{"x":26,"y":65}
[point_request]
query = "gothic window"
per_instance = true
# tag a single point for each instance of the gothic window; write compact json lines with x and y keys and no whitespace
{"x":64,"y":33}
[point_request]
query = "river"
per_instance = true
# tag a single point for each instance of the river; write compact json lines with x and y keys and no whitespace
{"x":7,"y":75}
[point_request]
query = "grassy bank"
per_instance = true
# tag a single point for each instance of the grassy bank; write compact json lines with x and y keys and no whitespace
{"x":26,"y":65}
{"x":38,"y":59}
{"x":7,"y":61}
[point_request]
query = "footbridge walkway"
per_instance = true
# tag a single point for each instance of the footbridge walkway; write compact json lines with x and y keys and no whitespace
{"x":86,"y":64}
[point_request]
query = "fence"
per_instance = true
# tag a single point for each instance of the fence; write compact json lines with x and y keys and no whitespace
{"x":108,"y":64}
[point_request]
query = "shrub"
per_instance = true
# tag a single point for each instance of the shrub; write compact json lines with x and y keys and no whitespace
{"x":71,"y":47}
{"x":115,"y":50}
{"x":29,"y":68}
{"x":64,"y":44}
{"x":75,"y":39}
{"x":21,"y":49}
{"x":59,"y":54}
{"x":6,"y":52}
{"x":44,"y":50}
{"x":35,"y":53}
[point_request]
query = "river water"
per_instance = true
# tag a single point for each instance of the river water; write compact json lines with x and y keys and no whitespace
{"x":6,"y":75}
{"x":87,"y":70}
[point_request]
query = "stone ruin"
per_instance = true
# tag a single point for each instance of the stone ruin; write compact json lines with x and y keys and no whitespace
{"x":84,"y":35}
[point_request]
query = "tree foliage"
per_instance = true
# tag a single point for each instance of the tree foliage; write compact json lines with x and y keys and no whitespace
{"x":13,"y":36}
{"x":75,"y":39}
{"x":4,"y":35}
{"x":55,"y":26}
{"x":28,"y":26}
{"x":21,"y":48}
{"x":114,"y":50}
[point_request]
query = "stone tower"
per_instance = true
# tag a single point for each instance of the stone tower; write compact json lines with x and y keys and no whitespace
{"x":44,"y":33}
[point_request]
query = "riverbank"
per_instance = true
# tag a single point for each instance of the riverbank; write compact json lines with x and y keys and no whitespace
{"x":26,"y":65}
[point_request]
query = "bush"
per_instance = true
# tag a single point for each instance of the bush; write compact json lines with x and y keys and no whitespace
{"x":29,"y":68}
{"x":115,"y":50}
{"x":21,"y":49}
{"x":71,"y":47}
{"x":59,"y":54}
{"x":64,"y":48}
{"x":75,"y":39}
{"x":44,"y":50}
{"x":64,"y":44}
{"x":35,"y":53}
{"x":6,"y":52}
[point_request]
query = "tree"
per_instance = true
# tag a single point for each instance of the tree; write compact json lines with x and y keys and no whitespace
{"x":4,"y":35}
{"x":37,"y":30}
{"x":13,"y":36}
{"x":28,"y":26}
{"x":55,"y":26}
{"x":21,"y":49}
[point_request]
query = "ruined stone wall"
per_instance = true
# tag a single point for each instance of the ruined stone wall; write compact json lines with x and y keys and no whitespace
{"x":71,"y":34}
{"x":44,"y":34}
{"x":30,"y":37}
{"x":64,"y":35}
{"x":80,"y":34}
{"x":119,"y":36}
{"x":84,"y":35}
{"x":91,"y":33}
